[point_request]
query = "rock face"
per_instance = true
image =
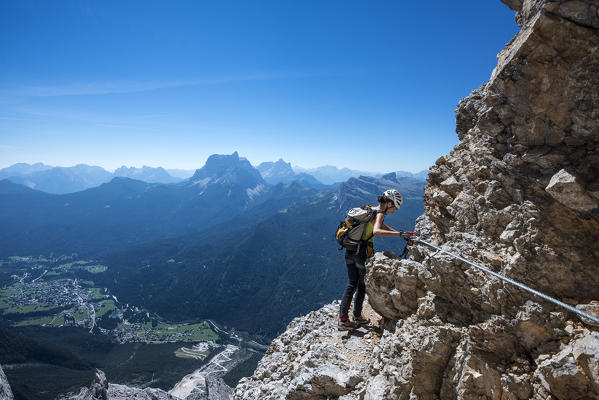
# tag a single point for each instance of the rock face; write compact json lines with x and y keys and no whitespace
{"x":5,"y":392}
{"x":520,"y":195}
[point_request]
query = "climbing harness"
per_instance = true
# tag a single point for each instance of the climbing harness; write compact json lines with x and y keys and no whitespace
{"x":513,"y":282}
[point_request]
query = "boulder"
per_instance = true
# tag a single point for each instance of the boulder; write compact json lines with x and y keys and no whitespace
{"x":573,"y":373}
{"x":564,"y":188}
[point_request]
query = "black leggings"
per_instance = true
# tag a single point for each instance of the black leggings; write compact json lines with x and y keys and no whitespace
{"x":356,"y":269}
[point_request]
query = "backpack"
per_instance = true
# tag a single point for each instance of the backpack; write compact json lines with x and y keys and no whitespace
{"x":349,"y":233}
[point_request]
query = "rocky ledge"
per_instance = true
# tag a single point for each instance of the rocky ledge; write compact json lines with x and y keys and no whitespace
{"x":519,"y":194}
{"x":421,"y":358}
{"x":312,"y":359}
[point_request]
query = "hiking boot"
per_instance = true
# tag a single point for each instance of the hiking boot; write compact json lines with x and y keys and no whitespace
{"x":346,"y":325}
{"x":361,"y":320}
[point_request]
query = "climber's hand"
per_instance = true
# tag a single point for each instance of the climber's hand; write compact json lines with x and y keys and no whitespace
{"x":408,"y":235}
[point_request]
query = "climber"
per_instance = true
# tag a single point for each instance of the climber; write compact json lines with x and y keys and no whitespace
{"x":355,"y":260}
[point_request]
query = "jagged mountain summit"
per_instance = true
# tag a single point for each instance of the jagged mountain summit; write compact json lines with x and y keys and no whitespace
{"x":282,"y":172}
{"x":146,"y":174}
{"x":228,"y":176}
{"x":519,"y":195}
{"x":276,"y":172}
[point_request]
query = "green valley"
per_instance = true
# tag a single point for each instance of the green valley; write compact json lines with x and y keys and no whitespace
{"x":60,"y":292}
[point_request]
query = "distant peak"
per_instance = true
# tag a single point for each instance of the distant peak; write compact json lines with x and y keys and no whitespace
{"x":391,"y":176}
{"x":222,"y":158}
{"x":218,"y":164}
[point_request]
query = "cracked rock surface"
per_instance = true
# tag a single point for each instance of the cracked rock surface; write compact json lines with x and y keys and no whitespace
{"x":519,"y":194}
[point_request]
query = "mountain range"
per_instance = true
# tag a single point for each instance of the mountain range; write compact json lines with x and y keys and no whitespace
{"x":329,"y":174}
{"x":62,"y":180}
{"x":224,"y":244}
{"x":146,"y":174}
{"x":282,"y":172}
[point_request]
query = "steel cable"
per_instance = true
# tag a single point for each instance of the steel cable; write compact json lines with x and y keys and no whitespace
{"x":513,"y":282}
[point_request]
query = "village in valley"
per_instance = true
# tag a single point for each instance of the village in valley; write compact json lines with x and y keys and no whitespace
{"x":60,"y":292}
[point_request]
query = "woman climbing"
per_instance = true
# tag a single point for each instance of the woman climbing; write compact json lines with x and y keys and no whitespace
{"x":355,"y":260}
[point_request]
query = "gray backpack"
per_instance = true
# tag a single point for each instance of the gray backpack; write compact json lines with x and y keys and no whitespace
{"x":349,"y":233}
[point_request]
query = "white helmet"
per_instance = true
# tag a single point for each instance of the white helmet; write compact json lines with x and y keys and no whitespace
{"x":394,"y":196}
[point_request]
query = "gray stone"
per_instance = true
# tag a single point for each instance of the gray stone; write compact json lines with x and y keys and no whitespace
{"x":564,"y":188}
{"x":450,"y":185}
{"x":573,"y":373}
{"x":592,"y":309}
{"x":393,"y":285}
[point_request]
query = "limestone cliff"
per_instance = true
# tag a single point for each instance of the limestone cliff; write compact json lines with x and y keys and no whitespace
{"x":520,"y":195}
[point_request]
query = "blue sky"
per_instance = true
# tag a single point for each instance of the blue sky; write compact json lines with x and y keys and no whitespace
{"x":365,"y":85}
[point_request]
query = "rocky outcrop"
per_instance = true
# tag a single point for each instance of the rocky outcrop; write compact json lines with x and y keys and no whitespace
{"x":313,"y":360}
{"x":100,"y":389}
{"x":5,"y":391}
{"x":573,"y":373}
{"x":518,"y":194}
{"x":210,"y":388}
